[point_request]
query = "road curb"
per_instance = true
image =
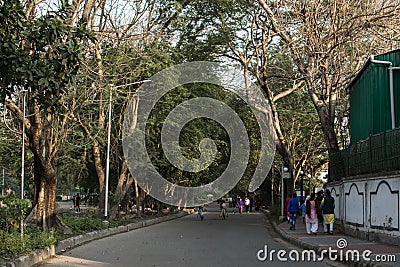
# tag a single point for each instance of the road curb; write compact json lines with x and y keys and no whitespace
{"x":318,"y":249}
{"x":69,"y":243}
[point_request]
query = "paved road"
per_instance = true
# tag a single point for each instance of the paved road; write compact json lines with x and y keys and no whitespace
{"x":184,"y":242}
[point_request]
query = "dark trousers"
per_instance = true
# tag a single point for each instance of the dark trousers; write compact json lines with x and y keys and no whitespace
{"x":292,"y":221}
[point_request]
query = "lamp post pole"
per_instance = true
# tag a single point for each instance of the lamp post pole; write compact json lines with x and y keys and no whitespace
{"x":301,"y":184}
{"x":273,"y":184}
{"x":112,"y":87}
{"x":108,"y":155}
{"x":23,"y":155}
{"x":23,"y":144}
{"x":285,"y":174}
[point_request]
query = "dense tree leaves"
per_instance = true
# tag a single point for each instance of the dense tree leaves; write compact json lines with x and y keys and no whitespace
{"x":198,"y":129}
{"x":41,"y":54}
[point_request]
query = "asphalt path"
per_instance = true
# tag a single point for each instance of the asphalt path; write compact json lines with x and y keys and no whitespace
{"x":187,"y":241}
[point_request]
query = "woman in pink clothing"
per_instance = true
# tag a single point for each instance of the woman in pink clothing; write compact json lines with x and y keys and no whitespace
{"x":240,"y":206}
{"x":312,"y":210}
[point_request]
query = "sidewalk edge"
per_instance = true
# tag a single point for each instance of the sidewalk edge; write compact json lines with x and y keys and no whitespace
{"x":307,"y":246}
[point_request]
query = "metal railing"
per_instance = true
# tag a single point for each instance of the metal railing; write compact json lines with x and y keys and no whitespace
{"x":379,"y":153}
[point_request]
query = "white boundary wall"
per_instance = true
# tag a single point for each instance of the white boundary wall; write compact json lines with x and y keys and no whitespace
{"x":368,"y":207}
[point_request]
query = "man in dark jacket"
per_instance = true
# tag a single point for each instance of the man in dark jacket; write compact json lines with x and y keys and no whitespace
{"x":293,"y":208}
{"x":328,"y":209}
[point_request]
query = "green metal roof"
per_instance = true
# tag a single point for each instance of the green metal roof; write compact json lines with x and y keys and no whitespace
{"x":370,"y":98}
{"x":366,"y":64}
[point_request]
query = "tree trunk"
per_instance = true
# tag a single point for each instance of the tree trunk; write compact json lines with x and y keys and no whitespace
{"x":140,"y":196}
{"x":137,"y":198}
{"x":158,"y":206}
{"x":100,"y":173}
{"x":101,"y":120}
{"x":328,"y":130}
{"x":42,"y":140}
{"x":281,"y":144}
{"x":124,"y":183}
{"x":44,"y":149}
{"x":45,"y":194}
{"x":42,"y":143}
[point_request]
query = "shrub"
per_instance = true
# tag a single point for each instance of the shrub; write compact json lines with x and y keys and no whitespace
{"x":86,"y":224}
{"x":275,"y":211}
{"x":36,"y":239}
{"x":12,"y":211}
{"x":12,"y":245}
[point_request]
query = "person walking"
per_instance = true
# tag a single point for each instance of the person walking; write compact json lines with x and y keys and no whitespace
{"x":223,"y":211}
{"x":247,"y":204}
{"x":78,"y":203}
{"x":200,"y":212}
{"x":293,"y":209}
{"x":240,"y":205}
{"x":303,"y":209}
{"x":328,"y":209}
{"x":234,"y":205}
{"x":230,"y":202}
{"x":312,"y":211}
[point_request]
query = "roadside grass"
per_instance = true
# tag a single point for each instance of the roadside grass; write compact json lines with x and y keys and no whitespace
{"x":12,"y":245}
{"x":87,"y":222}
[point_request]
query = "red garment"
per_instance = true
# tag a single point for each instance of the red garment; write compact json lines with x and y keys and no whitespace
{"x":287,"y":200}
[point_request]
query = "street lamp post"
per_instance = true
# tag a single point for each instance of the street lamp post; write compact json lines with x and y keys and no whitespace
{"x":285,"y":175}
{"x":23,"y":144}
{"x":108,"y":156}
{"x":23,"y":154}
{"x":301,"y":184}
{"x":309,"y":183}
{"x":273,"y":184}
{"x":112,"y":87}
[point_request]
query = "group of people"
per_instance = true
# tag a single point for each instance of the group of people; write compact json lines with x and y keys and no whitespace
{"x":241,"y":206}
{"x":314,"y":210}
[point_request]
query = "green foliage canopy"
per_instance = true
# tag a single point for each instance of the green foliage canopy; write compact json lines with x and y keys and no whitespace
{"x":40,"y":53}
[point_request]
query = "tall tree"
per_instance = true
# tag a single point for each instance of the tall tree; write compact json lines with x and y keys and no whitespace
{"x":130,"y":47}
{"x":237,"y":30}
{"x":39,"y":60}
{"x":328,"y":41}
